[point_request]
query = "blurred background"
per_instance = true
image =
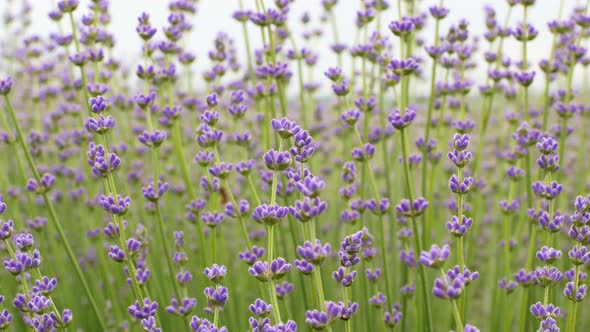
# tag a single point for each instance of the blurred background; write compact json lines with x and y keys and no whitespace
{"x":216,"y":15}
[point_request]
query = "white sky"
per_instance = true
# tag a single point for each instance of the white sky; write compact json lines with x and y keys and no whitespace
{"x":215,"y":15}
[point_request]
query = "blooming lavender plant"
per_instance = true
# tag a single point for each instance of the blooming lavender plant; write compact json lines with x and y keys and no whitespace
{"x":136,"y":172}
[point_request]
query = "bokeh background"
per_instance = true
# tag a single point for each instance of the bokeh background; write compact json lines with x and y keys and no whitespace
{"x":215,"y":15}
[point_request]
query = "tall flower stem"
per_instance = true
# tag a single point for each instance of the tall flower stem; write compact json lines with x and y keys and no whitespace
{"x":179,"y":153}
{"x":454,"y":306}
{"x":571,"y":326}
{"x":270,"y":244}
{"x":457,"y":316}
{"x":460,"y":253}
{"x":376,"y":194}
{"x":53,"y":215}
{"x":247,"y":42}
{"x":347,"y":325}
{"x":233,"y":201}
{"x":506,"y":231}
{"x":335,"y":36}
{"x":165,"y":245}
{"x":410,"y":192}
{"x":426,"y":222}
{"x":275,"y":303}
{"x":301,"y":86}
{"x":548,"y":76}
{"x":23,"y":279}
{"x":569,"y":96}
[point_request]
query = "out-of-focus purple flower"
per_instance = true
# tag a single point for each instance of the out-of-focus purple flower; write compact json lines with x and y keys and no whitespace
{"x":215,"y":273}
{"x":269,"y":214}
{"x":217,"y":296}
{"x":436,"y":257}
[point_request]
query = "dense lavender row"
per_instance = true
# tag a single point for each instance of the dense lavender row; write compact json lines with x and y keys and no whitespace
{"x":397,"y":198}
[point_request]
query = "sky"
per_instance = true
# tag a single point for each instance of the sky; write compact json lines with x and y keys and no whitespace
{"x":215,"y":15}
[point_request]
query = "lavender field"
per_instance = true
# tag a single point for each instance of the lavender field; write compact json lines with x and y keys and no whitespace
{"x":431,"y":177}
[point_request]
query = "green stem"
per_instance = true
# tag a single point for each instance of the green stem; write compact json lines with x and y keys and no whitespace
{"x":457,"y":316}
{"x":53,"y":215}
{"x":275,"y":303}
{"x":347,"y":326}
{"x":317,"y":278}
{"x":165,"y":245}
{"x":216,"y":316}
{"x":410,"y":191}
{"x":571,"y":327}
{"x":179,"y":153}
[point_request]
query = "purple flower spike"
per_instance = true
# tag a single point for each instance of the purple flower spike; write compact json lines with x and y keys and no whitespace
{"x":393,"y":317}
{"x":112,"y":206}
{"x":413,"y":209}
{"x":575,"y":295}
{"x":450,"y":288}
{"x":217,"y":297}
{"x":215,"y":273}
{"x":507,"y":285}
{"x":278,"y":268}
{"x":579,"y":255}
{"x":38,"y":303}
{"x":333,"y":73}
{"x":343,"y":277}
{"x":260,"y":270}
{"x":243,"y":207}
{"x":285,"y":127}
{"x":260,"y":308}
{"x":277,"y":161}
{"x":311,"y":186}
{"x":341,"y":89}
{"x":269,"y":214}
{"x":459,"y":158}
{"x":549,"y":191}
{"x":116,"y":253}
{"x":317,"y":320}
{"x":403,"y":67}
{"x":436,"y":257}
{"x":97,"y":104}
{"x":438,"y":12}
{"x":6,"y":229}
{"x":541,"y":312}
{"x":5,"y":86}
{"x":203,"y":325}
{"x":24,"y":241}
{"x":402,"y":28}
{"x":212,"y":219}
{"x":45,"y":285}
{"x":5,"y":319}
{"x":547,"y":276}
{"x":251,"y":256}
{"x":378,"y":208}
{"x":462,"y":187}
{"x":457,"y":228}
{"x":548,"y":255}
{"x":221,"y":170}
{"x":314,"y":254}
{"x":549,"y":324}
{"x":399,"y":121}
{"x":153,"y":195}
{"x":525,"y":279}
{"x":154,"y":139}
{"x":67,"y":6}
{"x":144,"y":310}
{"x":308,"y":208}
{"x":100,"y":125}
{"x":304,"y":266}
